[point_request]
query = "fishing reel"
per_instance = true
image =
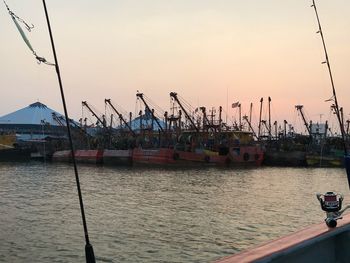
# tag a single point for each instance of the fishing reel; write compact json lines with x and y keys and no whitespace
{"x":331,"y":203}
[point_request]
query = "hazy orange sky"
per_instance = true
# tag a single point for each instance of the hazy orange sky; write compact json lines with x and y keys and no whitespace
{"x":211,"y":52}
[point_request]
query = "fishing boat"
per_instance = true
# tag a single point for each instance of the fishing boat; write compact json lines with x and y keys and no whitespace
{"x":328,"y":154}
{"x":329,"y":160}
{"x":9,"y":150}
{"x":15,"y":154}
{"x":117,"y":157}
{"x":197,"y":153}
{"x":287,"y":151}
{"x":203,"y":141}
{"x":106,"y":157}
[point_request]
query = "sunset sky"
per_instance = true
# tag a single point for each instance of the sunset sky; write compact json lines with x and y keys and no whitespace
{"x":211,"y":53}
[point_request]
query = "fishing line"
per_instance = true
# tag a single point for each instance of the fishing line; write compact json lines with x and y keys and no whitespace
{"x":17,"y":20}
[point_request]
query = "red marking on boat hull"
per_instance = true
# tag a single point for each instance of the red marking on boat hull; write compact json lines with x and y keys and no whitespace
{"x":89,"y":156}
{"x":117,"y":157}
{"x":62,"y":156}
{"x":161,"y":156}
{"x":247,"y":155}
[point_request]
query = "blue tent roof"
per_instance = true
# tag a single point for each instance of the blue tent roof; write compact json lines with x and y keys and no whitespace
{"x":35,"y":114}
{"x":146,"y":122}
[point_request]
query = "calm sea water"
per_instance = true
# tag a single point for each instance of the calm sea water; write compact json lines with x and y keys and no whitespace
{"x":153,"y":215}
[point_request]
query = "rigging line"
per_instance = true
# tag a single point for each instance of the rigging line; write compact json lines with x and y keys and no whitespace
{"x":120,"y":108}
{"x":17,"y":19}
{"x":89,"y":252}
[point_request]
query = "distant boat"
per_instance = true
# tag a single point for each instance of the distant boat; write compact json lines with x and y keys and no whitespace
{"x":15,"y":155}
{"x":225,"y":149}
{"x":317,"y":160}
{"x":9,"y":150}
{"x":329,"y":154}
{"x":190,"y":154}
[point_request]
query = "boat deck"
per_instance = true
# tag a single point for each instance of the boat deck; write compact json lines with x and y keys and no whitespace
{"x":316,"y":243}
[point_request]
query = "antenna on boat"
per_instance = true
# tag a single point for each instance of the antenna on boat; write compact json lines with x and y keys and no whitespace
{"x":334,"y":98}
{"x":89,"y":251}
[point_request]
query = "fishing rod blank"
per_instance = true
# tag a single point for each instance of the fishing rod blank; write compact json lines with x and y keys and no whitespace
{"x":89,"y":251}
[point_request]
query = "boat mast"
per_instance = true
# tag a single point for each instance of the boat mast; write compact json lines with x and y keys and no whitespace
{"x":269,"y":99}
{"x":276,"y":134}
{"x":220,"y":120}
{"x":337,"y":111}
{"x":245,"y":117}
{"x":89,"y":251}
{"x":240,"y":117}
{"x":120,"y":116}
{"x":285,"y":128}
{"x":140,"y":95}
{"x":103,"y":122}
{"x":259,"y":127}
{"x":300,"y":109}
{"x":250,"y":112}
{"x":174,"y":95}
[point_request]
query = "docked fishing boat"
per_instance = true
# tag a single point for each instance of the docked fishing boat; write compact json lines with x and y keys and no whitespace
{"x":317,"y":160}
{"x":328,"y":154}
{"x":235,"y":156}
{"x":274,"y":157}
{"x":158,"y":156}
{"x":11,"y":151}
{"x":89,"y":156}
{"x":197,"y":150}
{"x":200,"y":140}
{"x":117,"y":157}
{"x":15,"y":154}
{"x":290,"y":151}
{"x":64,"y":156}
{"x":7,"y":141}
{"x":107,"y":157}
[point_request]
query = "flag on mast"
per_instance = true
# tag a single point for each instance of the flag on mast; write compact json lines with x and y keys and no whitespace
{"x":235,"y":104}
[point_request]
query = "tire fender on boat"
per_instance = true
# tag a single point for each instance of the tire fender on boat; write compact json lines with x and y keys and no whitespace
{"x":246,"y":157}
{"x":257,"y":157}
{"x":176,"y":156}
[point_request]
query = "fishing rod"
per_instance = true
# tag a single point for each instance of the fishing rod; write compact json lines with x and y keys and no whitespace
{"x":331,"y":202}
{"x":89,"y":251}
{"x":336,"y":105}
